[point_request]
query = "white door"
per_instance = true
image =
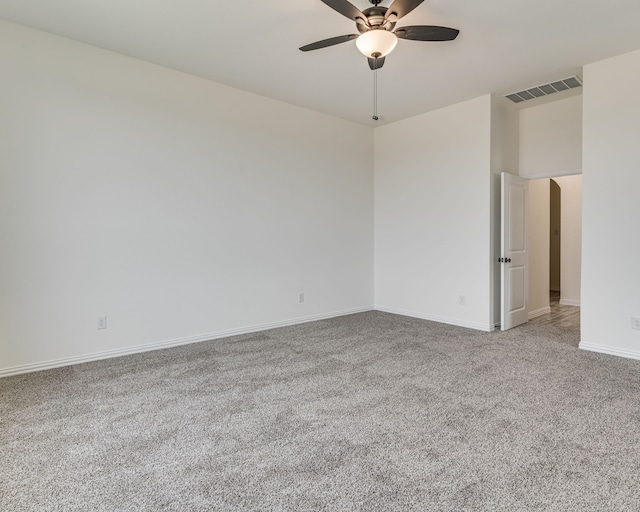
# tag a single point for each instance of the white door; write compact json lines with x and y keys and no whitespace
{"x":514,"y":301}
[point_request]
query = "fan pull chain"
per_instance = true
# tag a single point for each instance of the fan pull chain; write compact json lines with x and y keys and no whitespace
{"x":375,"y":88}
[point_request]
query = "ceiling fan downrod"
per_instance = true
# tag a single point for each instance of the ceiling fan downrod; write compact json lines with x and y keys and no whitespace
{"x":375,"y":87}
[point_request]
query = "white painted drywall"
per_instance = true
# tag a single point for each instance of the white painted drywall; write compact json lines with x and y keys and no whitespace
{"x":505,"y":135}
{"x":175,"y":206}
{"x":432,"y":215}
{"x":551,"y":137}
{"x":538,"y":247}
{"x":571,"y":240}
{"x":611,"y":209}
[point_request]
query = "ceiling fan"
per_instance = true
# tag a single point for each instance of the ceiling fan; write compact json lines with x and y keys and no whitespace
{"x":377,"y":37}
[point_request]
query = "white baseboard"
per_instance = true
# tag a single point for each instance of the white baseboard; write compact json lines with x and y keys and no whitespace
{"x":137,"y":349}
{"x":570,"y":302}
{"x":442,"y":320}
{"x":603,"y":349}
{"x":539,"y":312}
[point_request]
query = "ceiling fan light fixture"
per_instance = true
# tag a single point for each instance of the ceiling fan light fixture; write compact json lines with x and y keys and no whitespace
{"x":376,"y":41}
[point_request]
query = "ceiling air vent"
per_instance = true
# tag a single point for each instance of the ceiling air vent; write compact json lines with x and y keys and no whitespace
{"x":545,"y":89}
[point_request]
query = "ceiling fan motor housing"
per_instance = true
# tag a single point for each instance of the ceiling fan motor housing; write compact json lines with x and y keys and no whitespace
{"x":375,"y":19}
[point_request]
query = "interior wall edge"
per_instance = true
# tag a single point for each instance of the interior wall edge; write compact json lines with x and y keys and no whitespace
{"x":606,"y":349}
{"x":551,"y":174}
{"x":148,"y":347}
{"x":449,"y":321}
{"x":539,"y":312}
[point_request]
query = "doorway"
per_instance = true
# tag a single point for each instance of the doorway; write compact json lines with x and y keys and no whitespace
{"x":555,"y":240}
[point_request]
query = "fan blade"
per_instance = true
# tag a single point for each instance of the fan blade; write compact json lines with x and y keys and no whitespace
{"x":376,"y":63}
{"x":427,"y":33}
{"x":402,"y":7}
{"x":345,"y":8}
{"x":328,"y":42}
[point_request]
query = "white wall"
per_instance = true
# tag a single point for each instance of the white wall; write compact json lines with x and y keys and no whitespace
{"x":611,"y":209}
{"x":184,"y":210}
{"x":505,"y":136}
{"x":179,"y":208}
{"x":550,"y":144}
{"x":433,"y":213}
{"x":571,"y":238}
{"x":551,"y":137}
{"x":538,"y":247}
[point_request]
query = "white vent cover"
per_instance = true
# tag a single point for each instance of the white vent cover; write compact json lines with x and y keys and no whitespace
{"x":545,"y":89}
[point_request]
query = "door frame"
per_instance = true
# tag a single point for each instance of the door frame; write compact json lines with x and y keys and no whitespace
{"x":497,"y":189}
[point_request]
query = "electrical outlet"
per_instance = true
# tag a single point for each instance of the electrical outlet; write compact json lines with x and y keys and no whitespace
{"x":102,"y":322}
{"x":635,"y":322}
{"x":301,"y":297}
{"x":462,"y":300}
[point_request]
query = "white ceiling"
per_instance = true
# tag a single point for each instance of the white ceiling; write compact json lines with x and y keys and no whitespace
{"x":504,"y":46}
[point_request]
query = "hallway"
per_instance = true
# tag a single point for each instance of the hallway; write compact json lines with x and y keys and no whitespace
{"x":560,"y":316}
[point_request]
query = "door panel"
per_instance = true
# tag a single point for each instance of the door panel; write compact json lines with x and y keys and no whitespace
{"x":516,"y":277}
{"x":516,"y":204}
{"x":514,"y":302}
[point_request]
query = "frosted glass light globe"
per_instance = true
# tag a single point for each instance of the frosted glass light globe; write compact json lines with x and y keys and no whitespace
{"x":376,"y":41}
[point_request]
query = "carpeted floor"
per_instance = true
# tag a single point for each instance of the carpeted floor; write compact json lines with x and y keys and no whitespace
{"x":365,"y":412}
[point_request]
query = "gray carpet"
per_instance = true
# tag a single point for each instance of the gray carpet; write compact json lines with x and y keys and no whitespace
{"x":365,"y":412}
